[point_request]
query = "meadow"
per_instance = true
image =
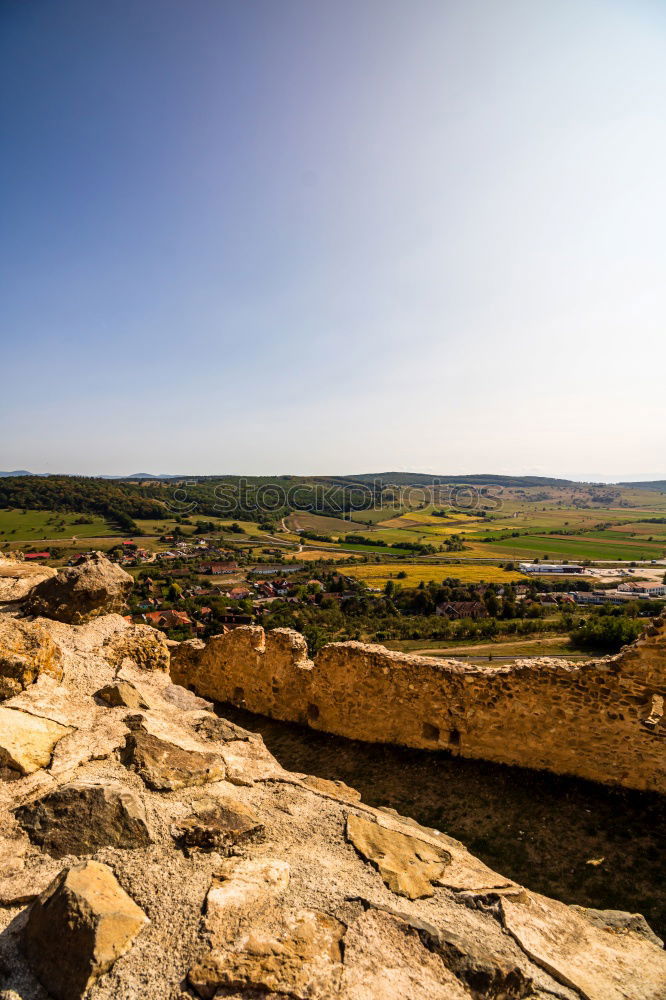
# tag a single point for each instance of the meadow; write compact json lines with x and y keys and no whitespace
{"x":37,"y":525}
{"x":376,"y":575}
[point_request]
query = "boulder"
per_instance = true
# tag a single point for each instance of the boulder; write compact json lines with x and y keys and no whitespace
{"x":27,"y":741}
{"x":78,"y":927}
{"x":407,"y":864}
{"x":165,"y":766}
{"x":144,"y":646}
{"x":121,"y":694}
{"x":81,"y":817}
{"x":26,"y":651}
{"x":17,"y":579}
{"x":218,"y":825}
{"x":94,"y":586}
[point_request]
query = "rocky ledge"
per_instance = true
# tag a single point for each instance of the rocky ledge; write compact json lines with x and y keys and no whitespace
{"x":150,"y":849}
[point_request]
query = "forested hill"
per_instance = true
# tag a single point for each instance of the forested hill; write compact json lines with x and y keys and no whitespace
{"x":421,"y":479}
{"x":118,"y":502}
{"x":253,"y":497}
{"x":656,"y":484}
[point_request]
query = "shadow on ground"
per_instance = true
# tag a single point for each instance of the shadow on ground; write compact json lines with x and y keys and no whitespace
{"x":571,"y":839}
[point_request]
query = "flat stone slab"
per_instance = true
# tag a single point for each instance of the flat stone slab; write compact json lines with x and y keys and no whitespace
{"x":408,"y":865}
{"x":599,"y":963}
{"x":27,"y":741}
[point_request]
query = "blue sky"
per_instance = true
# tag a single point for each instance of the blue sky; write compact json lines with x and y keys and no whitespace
{"x":251,"y":236}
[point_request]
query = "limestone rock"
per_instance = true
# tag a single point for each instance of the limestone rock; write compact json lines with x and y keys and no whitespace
{"x":121,"y":694}
{"x":213,"y":728}
{"x":243,"y":883}
{"x":27,"y":741}
{"x":413,"y":972}
{"x":146,"y":647}
{"x":597,"y":962}
{"x":17,"y":579}
{"x":165,"y":766}
{"x":337,"y":789}
{"x":407,"y":865}
{"x":78,"y":927}
{"x":26,"y":651}
{"x":218,"y":825}
{"x":81,"y":817}
{"x":92,"y":587}
{"x":301,"y":957}
{"x":620,"y":922}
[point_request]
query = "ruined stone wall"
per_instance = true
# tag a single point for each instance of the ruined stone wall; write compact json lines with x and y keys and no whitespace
{"x":600,"y":720}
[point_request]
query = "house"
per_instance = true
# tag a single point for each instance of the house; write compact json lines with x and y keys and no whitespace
{"x":269,"y":570}
{"x":218,"y":568}
{"x":168,"y":619}
{"x":233,"y":621}
{"x":239,"y":593}
{"x":37,"y":555}
{"x":462,"y":609}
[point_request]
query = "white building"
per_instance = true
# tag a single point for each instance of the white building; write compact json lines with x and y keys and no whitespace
{"x":653,"y":589}
{"x":549,"y":568}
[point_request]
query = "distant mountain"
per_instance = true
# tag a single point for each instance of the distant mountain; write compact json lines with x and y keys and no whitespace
{"x":656,"y":484}
{"x":135,"y":475}
{"x":420,"y":479}
{"x":368,"y":478}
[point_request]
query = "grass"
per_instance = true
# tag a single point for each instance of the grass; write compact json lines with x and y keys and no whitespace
{"x":377,"y":575}
{"x":577,"y":547}
{"x":501,"y":648}
{"x":38,"y":525}
{"x":305,"y":521}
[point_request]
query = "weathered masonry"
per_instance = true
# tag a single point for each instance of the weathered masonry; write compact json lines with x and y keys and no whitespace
{"x":602,"y":719}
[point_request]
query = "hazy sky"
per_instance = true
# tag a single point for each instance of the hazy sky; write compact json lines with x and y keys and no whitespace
{"x":313,"y":236}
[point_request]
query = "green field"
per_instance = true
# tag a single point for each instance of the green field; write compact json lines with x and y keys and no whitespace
{"x":39,"y":525}
{"x":575,"y":548}
{"x":612,"y":532}
{"x":498,"y":649}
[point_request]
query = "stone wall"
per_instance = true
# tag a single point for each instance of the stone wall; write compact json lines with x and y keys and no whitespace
{"x":602,"y":719}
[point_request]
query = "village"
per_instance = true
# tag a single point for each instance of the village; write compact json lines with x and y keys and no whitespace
{"x":200,"y":585}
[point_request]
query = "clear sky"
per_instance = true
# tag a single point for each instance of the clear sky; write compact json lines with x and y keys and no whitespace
{"x":333,"y":236}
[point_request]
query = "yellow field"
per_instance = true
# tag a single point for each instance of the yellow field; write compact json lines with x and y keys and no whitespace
{"x":311,"y":555}
{"x":377,"y":575}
